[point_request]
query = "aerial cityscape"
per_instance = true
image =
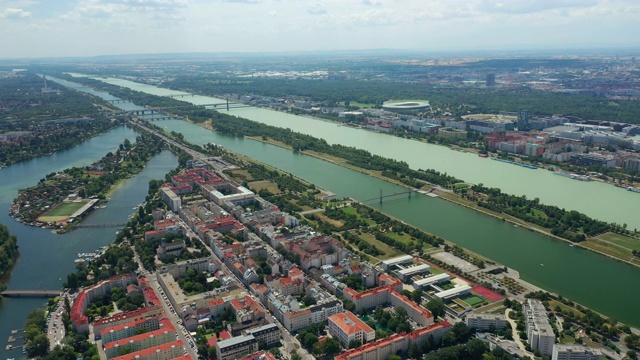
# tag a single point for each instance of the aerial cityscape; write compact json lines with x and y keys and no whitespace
{"x":347,"y":180}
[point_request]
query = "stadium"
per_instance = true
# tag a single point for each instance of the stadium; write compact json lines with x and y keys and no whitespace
{"x":406,"y":105}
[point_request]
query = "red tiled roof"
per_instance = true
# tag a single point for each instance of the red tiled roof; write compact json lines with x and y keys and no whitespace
{"x":166,"y":327}
{"x":149,"y":351}
{"x":130,"y":314}
{"x":349,"y":323}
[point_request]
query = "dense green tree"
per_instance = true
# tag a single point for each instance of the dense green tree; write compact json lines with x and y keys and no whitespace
{"x":436,"y":307}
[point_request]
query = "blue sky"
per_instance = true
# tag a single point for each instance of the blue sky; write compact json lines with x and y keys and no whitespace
{"x":51,"y":28}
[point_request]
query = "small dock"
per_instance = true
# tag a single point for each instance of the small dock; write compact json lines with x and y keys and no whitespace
{"x":12,"y":338}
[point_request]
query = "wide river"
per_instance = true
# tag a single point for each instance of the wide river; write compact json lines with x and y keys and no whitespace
{"x":46,"y":258}
{"x":596,"y":199}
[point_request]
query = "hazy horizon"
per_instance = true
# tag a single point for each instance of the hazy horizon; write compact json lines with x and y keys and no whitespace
{"x":89,"y":28}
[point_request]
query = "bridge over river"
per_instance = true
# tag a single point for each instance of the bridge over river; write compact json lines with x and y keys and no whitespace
{"x":31,"y":293}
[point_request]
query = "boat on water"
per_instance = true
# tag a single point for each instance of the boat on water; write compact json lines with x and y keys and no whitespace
{"x":630,"y":188}
{"x":570,"y":245}
{"x":541,"y":264}
{"x":573,"y":176}
{"x":483,"y":155}
{"x":515,"y":163}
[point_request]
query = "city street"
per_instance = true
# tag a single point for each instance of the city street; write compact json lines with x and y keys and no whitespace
{"x":55,"y":327}
{"x":183,"y":334}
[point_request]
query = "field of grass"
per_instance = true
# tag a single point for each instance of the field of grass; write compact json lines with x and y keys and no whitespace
{"x":66,"y":208}
{"x":474,"y":300}
{"x":554,"y":303}
{"x":388,"y":251}
{"x":404,"y":238}
{"x":264,"y":184}
{"x":352,"y":211}
{"x":62,"y":211}
{"x":241,"y":175}
{"x":608,"y":248}
{"x":325,"y":218}
{"x":621,"y":240}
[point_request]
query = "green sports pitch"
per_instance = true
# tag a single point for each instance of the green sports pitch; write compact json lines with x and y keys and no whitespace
{"x":62,"y":211}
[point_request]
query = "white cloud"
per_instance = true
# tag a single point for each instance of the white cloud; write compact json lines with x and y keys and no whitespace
{"x":317,"y":9}
{"x":13,"y":13}
{"x":139,"y":26}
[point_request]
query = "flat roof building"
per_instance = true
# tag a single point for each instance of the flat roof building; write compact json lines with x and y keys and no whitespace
{"x":399,"y":260}
{"x":236,"y":347}
{"x":451,"y":293}
{"x":575,"y":352}
{"x":431,"y":280}
{"x":486,"y":321}
{"x":539,"y":332}
{"x":413,"y":270}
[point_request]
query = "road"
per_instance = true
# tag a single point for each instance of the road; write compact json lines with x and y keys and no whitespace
{"x":182,"y":333}
{"x":55,"y":327}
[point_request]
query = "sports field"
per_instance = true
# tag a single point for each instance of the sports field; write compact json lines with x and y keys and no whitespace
{"x":474,"y":300}
{"x":62,"y":211}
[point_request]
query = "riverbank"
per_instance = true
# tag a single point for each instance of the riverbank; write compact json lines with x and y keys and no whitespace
{"x":449,"y":196}
{"x":8,"y":254}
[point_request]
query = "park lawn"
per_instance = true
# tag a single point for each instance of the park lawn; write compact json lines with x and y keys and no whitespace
{"x":538,"y":213}
{"x":337,"y":223}
{"x":461,"y":185}
{"x":66,"y":209}
{"x":567,"y":340}
{"x":404,"y":238}
{"x":494,"y":308}
{"x":622,"y":240}
{"x":554,"y":303}
{"x":388,"y":251}
{"x":608,"y":248}
{"x":257,"y":186}
{"x":349,"y":210}
{"x":241,"y":174}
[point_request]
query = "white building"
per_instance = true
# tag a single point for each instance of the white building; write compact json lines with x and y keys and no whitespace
{"x":539,"y":332}
{"x":413,"y":270}
{"x":236,"y":347}
{"x":453,"y":292}
{"x":431,"y":280}
{"x":575,"y":352}
{"x":400,"y":260}
{"x":486,"y":321}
